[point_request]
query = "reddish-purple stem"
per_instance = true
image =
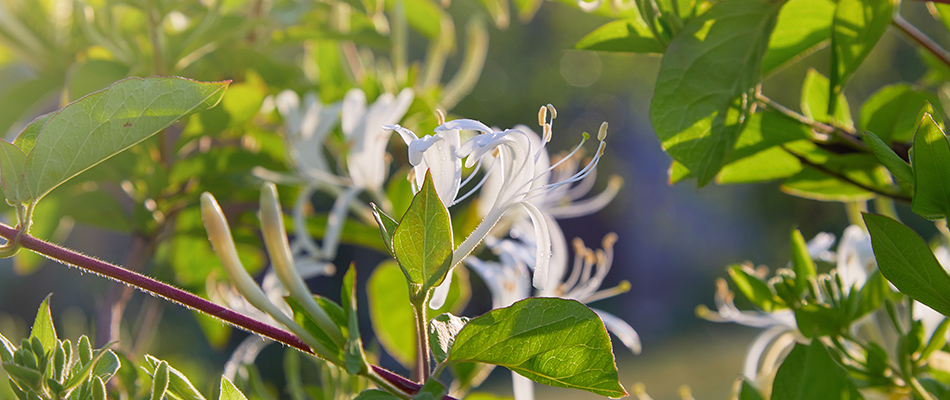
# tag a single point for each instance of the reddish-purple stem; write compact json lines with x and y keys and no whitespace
{"x":180,"y":296}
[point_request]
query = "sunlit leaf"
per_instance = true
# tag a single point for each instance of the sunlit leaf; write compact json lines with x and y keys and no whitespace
{"x":931,"y":164}
{"x":553,"y":341}
{"x":423,"y":240}
{"x":706,"y":81}
{"x":856,"y":28}
{"x":803,"y":26}
{"x":629,"y":35}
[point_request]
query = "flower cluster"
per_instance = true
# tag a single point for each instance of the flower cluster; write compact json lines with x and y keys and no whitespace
{"x":516,"y":188}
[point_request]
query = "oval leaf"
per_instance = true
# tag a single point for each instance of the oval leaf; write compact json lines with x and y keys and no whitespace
{"x":102,"y":124}
{"x":423,"y":240}
{"x":703,"y":92}
{"x":556,"y":342}
{"x":906,"y":260}
{"x":856,"y":28}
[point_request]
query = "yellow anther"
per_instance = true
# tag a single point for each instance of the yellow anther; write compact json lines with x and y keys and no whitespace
{"x":552,"y":110}
{"x":543,"y":116}
{"x":440,"y":116}
{"x":602,"y":133}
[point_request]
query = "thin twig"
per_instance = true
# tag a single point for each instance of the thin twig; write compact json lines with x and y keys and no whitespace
{"x":849,"y":136}
{"x":922,"y":39}
{"x":845,"y":178}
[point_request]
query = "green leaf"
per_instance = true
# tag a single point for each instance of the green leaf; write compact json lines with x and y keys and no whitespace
{"x":815,"y":102}
{"x":12,"y":161}
{"x":888,"y":158}
{"x":758,"y":155}
{"x":43,"y":328}
{"x":391,"y":313}
{"x":432,"y":389}
{"x":906,"y":260}
{"x":802,"y":263}
{"x":23,"y":376}
{"x":353,"y":349}
{"x":337,"y":314}
{"x":79,"y":377}
{"x":375,"y":394}
{"x":706,"y":83}
{"x":160,"y":381}
{"x":809,"y":373}
{"x":442,"y":332}
{"x":229,"y":391}
{"x":96,"y":127}
{"x":423,"y":240}
{"x":856,"y":28}
{"x":748,"y":392}
{"x":630,"y":35}
{"x":179,"y":387}
{"x":815,"y":184}
{"x":552,"y":341}
{"x":803,"y":26}
{"x":930,"y":161}
{"x":387,"y":226}
{"x":754,"y":289}
{"x":893,"y":112}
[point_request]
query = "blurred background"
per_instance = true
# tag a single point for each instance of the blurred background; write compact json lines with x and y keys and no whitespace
{"x":674,"y":240}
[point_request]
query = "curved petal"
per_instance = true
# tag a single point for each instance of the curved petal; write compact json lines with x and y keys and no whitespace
{"x":354,"y":108}
{"x":542,"y":235}
{"x":441,"y":293}
{"x":522,"y":387}
{"x":620,"y":328}
{"x":465,"y":125}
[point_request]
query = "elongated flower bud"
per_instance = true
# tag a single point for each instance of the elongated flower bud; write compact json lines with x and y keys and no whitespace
{"x":221,"y":241}
{"x":275,"y":239}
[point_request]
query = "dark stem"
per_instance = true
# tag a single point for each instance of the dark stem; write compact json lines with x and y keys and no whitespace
{"x":174,"y":294}
{"x":922,"y":39}
{"x":845,"y":178}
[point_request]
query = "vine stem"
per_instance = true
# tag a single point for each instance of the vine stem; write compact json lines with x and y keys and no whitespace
{"x":922,"y":39}
{"x":422,"y":339}
{"x":158,"y":288}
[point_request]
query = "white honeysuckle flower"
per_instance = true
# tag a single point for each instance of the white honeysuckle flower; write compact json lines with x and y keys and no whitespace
{"x":306,"y":126}
{"x":855,"y":258}
{"x":363,"y":128}
{"x":819,"y":247}
{"x":781,"y":330}
{"x":521,"y":181}
{"x":436,"y":154}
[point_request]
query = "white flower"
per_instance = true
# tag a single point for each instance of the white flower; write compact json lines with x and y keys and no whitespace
{"x":855,"y":258}
{"x":521,"y":180}
{"x":306,"y":126}
{"x":363,"y":128}
{"x":436,"y":154}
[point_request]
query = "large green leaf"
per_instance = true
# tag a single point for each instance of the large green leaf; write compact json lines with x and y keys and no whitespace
{"x":905,"y":259}
{"x":630,"y":35}
{"x":893,"y":112}
{"x":706,"y":83}
{"x":758,"y":155}
{"x":856,"y":28}
{"x":391,"y":313}
{"x":930,"y":162}
{"x":802,"y":27}
{"x":96,"y":127}
{"x":815,"y":102}
{"x":423,"y":240}
{"x":809,"y":373}
{"x":553,"y":341}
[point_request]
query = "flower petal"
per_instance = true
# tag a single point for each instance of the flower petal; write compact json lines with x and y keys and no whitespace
{"x":543,"y":236}
{"x":620,"y":328}
{"x":465,"y":125}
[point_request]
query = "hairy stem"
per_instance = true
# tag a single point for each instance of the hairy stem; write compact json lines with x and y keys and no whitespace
{"x":152,"y":286}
